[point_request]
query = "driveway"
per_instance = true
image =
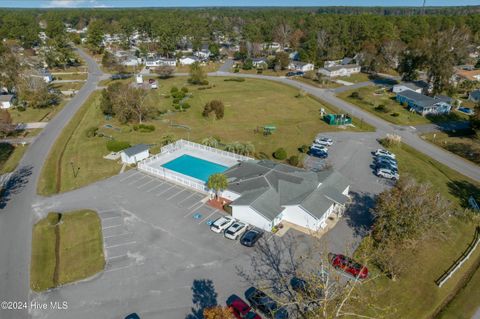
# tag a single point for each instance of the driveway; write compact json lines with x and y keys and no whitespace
{"x":16,"y":204}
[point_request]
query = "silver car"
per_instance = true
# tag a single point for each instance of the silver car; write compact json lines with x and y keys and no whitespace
{"x":235,"y":231}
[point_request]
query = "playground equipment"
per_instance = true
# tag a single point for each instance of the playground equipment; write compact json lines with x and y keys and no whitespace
{"x":337,"y":119}
{"x":266,"y":130}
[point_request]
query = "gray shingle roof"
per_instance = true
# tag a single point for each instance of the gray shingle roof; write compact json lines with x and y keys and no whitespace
{"x":338,"y":67}
{"x":475,"y":95}
{"x":136,"y":149}
{"x":267,"y":187}
{"x":419,"y":99}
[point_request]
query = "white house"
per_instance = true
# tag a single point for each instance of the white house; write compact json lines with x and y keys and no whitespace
{"x":340,"y":70}
{"x":301,"y":66}
{"x":188,"y":60}
{"x":46,"y":76}
{"x":344,"y":61}
{"x":259,"y":62}
{"x":265,"y":193}
{"x":135,"y":154}
{"x":204,"y":53}
{"x":158,"y":61}
{"x":418,"y":86}
{"x":6,"y":101}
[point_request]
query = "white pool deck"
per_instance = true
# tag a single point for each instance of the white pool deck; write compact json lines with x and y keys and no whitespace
{"x":153,"y":164}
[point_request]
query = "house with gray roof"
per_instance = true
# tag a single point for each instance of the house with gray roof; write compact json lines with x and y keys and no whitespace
{"x":340,"y":70}
{"x":265,"y":193}
{"x":423,"y":104}
{"x":416,"y":86}
{"x":474,"y":96}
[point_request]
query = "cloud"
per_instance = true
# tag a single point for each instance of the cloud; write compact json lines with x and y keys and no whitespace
{"x":75,"y":4}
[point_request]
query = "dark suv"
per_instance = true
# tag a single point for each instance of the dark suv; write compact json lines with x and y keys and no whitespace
{"x":266,"y":305}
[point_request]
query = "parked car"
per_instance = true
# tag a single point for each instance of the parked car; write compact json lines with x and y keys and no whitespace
{"x":381,"y":158}
{"x":250,"y":237}
{"x":132,"y":316}
{"x":387,"y":173}
{"x":266,"y":305}
{"x":240,"y":309}
{"x":384,"y":153}
{"x":348,"y":265}
{"x":386,"y":164}
{"x":235,"y":230}
{"x":319,"y":147}
{"x":291,"y":74}
{"x":154,"y":85}
{"x":221,"y":224}
{"x":317,"y":153}
{"x":324,"y":141}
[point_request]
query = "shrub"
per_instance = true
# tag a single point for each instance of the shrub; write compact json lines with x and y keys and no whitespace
{"x":173,"y":90}
{"x":280,"y":154}
{"x":263,"y":155}
{"x":259,"y":71}
{"x":395,"y":114}
{"x":304,"y":148}
{"x":301,"y":93}
{"x":21,"y":108}
{"x":214,"y":106}
{"x":144,"y":128}
{"x":117,"y":146}
{"x":382,"y":108}
{"x":236,"y":70}
{"x":205,"y":88}
{"x":91,"y":131}
{"x":185,"y":89}
{"x":391,"y":140}
{"x":235,"y":80}
{"x":293,"y":160}
{"x":186,"y":106}
{"x":355,"y":95}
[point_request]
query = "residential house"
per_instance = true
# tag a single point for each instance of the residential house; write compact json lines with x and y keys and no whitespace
{"x":474,"y":96}
{"x":301,"y":66}
{"x":6,"y":101}
{"x":416,"y":86}
{"x":135,"y":154}
{"x":294,"y":56}
{"x":344,"y":61}
{"x":160,"y":61}
{"x":423,"y":104}
{"x":340,"y":70}
{"x":265,"y":193}
{"x":188,"y":60}
{"x":260,"y":63}
{"x":204,"y":53}
{"x":46,"y":76}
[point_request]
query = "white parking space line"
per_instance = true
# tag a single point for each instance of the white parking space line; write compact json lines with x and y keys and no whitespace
{"x":127,"y":177}
{"x":115,"y":257}
{"x":206,"y":218}
{"x":271,"y":236}
{"x":123,"y":244}
{"x":155,"y":187}
{"x":127,"y":233}
{"x":186,"y":198}
{"x":176,"y":194}
{"x":137,"y":180}
{"x":119,"y":268}
{"x":105,"y":218}
{"x":152,"y":180}
{"x":196,"y":203}
{"x":166,"y":190}
{"x":193,"y":210}
{"x":112,"y":226}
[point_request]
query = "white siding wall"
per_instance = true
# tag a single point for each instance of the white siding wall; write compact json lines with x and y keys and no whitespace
{"x":135,"y":158}
{"x":247,"y":215}
{"x":296,"y":215}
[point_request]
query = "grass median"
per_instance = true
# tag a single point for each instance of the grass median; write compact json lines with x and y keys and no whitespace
{"x":66,"y":248}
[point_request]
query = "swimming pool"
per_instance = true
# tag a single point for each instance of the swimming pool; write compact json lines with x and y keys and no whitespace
{"x":194,"y":167}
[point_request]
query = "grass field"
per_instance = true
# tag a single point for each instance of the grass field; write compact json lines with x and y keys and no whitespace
{"x":209,"y":67}
{"x":36,"y":115}
{"x":68,"y":86}
{"x":326,"y":85}
{"x":354,"y":78}
{"x":66,"y":247}
{"x":10,"y":156}
{"x":414,"y":294}
{"x":70,"y":76}
{"x":466,"y":146}
{"x":371,"y":97}
{"x":247,"y":105}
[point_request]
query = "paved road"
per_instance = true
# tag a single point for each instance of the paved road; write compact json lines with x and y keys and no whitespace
{"x":409,"y":135}
{"x":16,"y":206}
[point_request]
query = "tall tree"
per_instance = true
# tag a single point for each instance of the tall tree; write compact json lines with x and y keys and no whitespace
{"x":197,"y":74}
{"x":95,"y":36}
{"x":217,"y":182}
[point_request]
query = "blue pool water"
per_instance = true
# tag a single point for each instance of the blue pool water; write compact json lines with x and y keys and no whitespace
{"x":194,"y":167}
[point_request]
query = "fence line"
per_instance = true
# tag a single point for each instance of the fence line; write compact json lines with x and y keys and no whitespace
{"x":463,"y":258}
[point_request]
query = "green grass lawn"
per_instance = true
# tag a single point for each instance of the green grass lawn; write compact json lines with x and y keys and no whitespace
{"x":354,"y":78}
{"x":66,"y":249}
{"x":10,"y":156}
{"x":414,"y":294}
{"x":36,"y":115}
{"x":209,"y":67}
{"x":371,"y":97}
{"x":67,"y":86}
{"x":327,"y":84}
{"x":71,"y":76}
{"x":248,"y":104}
{"x":466,"y":146}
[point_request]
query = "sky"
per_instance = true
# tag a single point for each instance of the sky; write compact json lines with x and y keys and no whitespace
{"x":218,"y":3}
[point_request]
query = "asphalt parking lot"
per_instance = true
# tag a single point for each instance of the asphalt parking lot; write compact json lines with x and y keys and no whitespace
{"x":159,"y":248}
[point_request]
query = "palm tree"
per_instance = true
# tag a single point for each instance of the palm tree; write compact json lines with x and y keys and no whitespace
{"x":230,"y":147}
{"x":210,"y":141}
{"x":239,"y":147}
{"x":249,"y":148}
{"x":218,"y":182}
{"x":167,"y":139}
